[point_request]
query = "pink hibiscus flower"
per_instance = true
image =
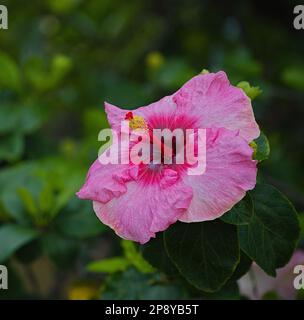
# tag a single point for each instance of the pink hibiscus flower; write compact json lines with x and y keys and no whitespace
{"x":139,"y":200}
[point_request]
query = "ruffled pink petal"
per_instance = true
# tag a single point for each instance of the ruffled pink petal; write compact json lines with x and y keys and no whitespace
{"x":230,"y":172}
{"x":217,"y":104}
{"x":145,"y":208}
{"x":115,"y":115}
{"x":105,"y":182}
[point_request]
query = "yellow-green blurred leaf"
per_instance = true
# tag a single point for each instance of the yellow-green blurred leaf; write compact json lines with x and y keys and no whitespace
{"x":110,"y":265}
{"x":135,"y":257}
{"x":10,"y":75}
{"x":28,"y":201}
{"x":250,"y":91}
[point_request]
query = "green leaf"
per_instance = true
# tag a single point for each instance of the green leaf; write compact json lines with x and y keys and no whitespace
{"x":46,"y":198}
{"x":11,"y":146}
{"x":11,"y":179}
{"x":271,"y":236}
{"x":62,"y":250}
{"x":154,"y":252}
{"x":242,"y":268}
{"x":229,"y":291}
{"x":250,"y":91}
{"x":110,"y":265}
{"x":4,"y":213}
{"x":12,"y":237}
{"x":28,"y":201}
{"x":241,"y":213}
{"x":261,"y":148}
{"x":61,"y":200}
{"x":10,"y":75}
{"x":206,"y":253}
{"x":46,"y":77}
{"x":65,"y":188}
{"x":8,"y":118}
{"x":134,"y":256}
{"x":79,"y":221}
{"x":20,"y":118}
{"x":29,"y":118}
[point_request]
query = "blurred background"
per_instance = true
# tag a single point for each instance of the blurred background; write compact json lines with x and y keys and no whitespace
{"x":60,"y":60}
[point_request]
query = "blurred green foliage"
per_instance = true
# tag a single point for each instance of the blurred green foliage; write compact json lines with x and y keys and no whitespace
{"x":60,"y":59}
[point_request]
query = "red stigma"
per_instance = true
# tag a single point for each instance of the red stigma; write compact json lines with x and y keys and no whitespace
{"x":129,"y":116}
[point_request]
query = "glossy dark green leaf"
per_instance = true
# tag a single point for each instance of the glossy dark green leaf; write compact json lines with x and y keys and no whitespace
{"x":154,"y":252}
{"x":241,"y":213}
{"x":230,"y":291}
{"x":271,"y":236}
{"x":242,"y":267}
{"x":205,"y":253}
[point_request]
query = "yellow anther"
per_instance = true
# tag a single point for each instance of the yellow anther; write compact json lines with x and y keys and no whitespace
{"x":137,"y":122}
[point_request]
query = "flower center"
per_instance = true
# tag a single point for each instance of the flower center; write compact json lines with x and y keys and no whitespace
{"x":165,"y":148}
{"x":138,"y":122}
